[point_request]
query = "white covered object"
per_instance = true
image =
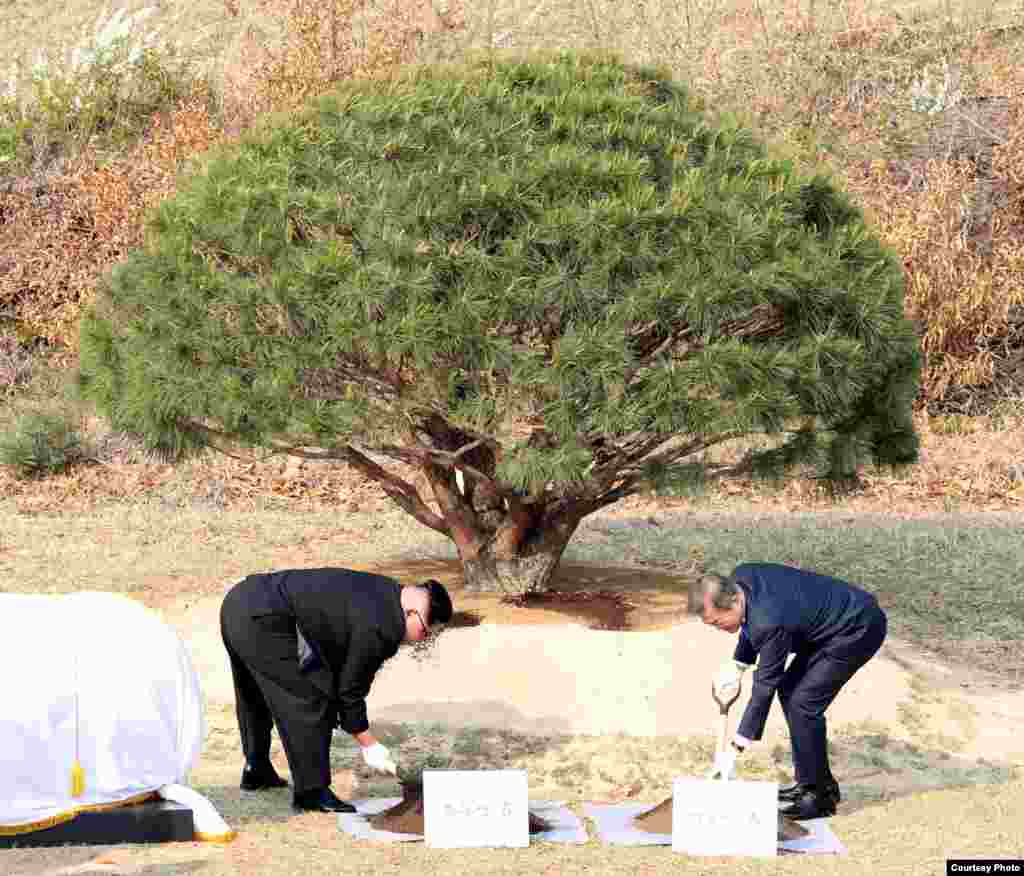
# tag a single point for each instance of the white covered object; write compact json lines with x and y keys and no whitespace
{"x":97,"y":679}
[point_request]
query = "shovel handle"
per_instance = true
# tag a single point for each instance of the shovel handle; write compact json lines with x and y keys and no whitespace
{"x":723,"y":710}
{"x":724,"y":705}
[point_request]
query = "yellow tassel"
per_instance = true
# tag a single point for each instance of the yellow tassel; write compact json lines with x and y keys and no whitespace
{"x":77,"y":780}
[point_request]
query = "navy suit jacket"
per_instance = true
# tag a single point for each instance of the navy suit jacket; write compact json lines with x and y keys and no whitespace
{"x":792,"y":611}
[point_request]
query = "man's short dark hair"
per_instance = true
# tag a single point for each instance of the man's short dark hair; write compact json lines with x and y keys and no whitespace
{"x":440,"y":602}
{"x":722,"y":589}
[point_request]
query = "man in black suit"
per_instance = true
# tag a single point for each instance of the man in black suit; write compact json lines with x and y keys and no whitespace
{"x":304,"y":647}
{"x":832,"y":628}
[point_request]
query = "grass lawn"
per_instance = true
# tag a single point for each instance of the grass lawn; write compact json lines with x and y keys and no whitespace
{"x":947,"y":583}
{"x":951,"y":583}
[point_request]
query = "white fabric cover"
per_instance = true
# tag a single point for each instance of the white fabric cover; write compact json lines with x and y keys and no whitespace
{"x":207,"y":823}
{"x":108,"y":667}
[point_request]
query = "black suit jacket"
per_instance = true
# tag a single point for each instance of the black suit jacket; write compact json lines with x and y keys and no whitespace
{"x":793,"y":611}
{"x":354,"y":621}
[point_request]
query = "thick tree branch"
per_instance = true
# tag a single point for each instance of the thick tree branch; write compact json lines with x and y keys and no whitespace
{"x":653,"y":348}
{"x":324,"y":382}
{"x":402,"y":493}
{"x":461,"y":518}
{"x":638,"y":447}
{"x":208,"y":438}
{"x":632,"y":477}
{"x":445,"y":459}
{"x":513,"y":529}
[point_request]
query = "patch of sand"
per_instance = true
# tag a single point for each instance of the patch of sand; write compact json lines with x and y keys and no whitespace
{"x":525,"y":669}
{"x":565,"y":679}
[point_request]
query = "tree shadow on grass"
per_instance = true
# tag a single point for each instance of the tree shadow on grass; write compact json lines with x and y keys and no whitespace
{"x":873,"y":767}
{"x":496,"y":714}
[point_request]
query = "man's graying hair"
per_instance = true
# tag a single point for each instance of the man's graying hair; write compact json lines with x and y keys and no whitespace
{"x":723,"y":591}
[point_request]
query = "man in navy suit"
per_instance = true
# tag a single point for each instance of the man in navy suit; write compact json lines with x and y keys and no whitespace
{"x":832,"y":628}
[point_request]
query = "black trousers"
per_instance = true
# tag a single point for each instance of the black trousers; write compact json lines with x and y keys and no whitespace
{"x":269,"y":690}
{"x":808,"y":688}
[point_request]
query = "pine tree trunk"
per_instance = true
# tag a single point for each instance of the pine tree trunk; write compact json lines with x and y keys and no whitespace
{"x":506,"y":544}
{"x":527,"y":568}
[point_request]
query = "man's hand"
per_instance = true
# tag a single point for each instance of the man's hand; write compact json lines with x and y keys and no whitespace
{"x":378,"y":757}
{"x":728,"y":679}
{"x":725,"y":765}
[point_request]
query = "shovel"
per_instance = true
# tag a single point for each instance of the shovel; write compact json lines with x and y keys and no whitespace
{"x":723,"y":710}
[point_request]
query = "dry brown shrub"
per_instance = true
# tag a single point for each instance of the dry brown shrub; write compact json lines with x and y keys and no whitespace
{"x":324,"y":43}
{"x":59,"y":236}
{"x":51,"y":256}
{"x":120,"y":193}
{"x":959,"y":226}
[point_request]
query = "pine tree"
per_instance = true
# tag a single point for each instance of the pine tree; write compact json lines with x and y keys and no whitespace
{"x":547,"y":283}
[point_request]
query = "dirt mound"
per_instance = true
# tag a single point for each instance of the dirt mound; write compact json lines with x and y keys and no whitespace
{"x":406,"y":816}
{"x":659,"y":820}
{"x":601,"y":597}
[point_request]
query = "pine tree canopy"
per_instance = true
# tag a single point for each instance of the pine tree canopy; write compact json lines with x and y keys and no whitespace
{"x":551,"y":273}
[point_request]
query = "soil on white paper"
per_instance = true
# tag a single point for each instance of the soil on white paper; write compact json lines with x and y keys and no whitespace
{"x":659,"y":820}
{"x":406,"y":816}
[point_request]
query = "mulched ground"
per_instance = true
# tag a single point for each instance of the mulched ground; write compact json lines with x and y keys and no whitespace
{"x":602,"y":609}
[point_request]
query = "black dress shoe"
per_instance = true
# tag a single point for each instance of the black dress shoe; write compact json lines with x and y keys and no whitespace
{"x":789,"y":792}
{"x":320,"y":800}
{"x":792,"y":792}
{"x":810,"y":804}
{"x":259,"y":777}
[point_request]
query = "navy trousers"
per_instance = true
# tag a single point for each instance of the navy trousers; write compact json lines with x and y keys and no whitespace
{"x":269,"y":690}
{"x":809,"y":686}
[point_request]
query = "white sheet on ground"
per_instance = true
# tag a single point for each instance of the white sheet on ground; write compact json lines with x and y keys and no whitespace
{"x":566,"y":826}
{"x":615,"y":826}
{"x":207,"y":823}
{"x":99,"y":678}
{"x":820,"y":841}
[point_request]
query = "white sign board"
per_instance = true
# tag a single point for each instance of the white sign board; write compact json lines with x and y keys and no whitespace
{"x":712,"y":817}
{"x":475,"y":808}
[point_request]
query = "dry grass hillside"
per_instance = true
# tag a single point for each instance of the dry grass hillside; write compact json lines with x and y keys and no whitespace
{"x":916,"y":108}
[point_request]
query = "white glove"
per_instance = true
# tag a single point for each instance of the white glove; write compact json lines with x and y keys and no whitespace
{"x":725,"y":765}
{"x":727,"y":682}
{"x":379,"y":758}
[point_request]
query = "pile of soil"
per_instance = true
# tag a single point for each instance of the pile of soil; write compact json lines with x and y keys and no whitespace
{"x":659,"y":820}
{"x":406,"y":816}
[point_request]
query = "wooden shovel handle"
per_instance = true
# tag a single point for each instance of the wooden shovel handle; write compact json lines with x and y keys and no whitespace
{"x":723,"y":709}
